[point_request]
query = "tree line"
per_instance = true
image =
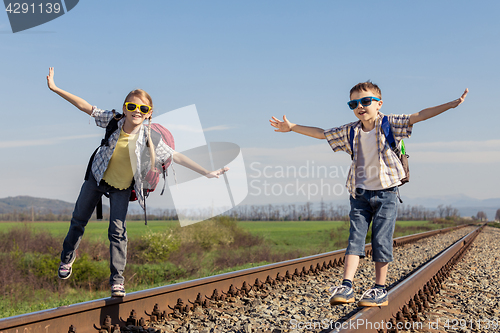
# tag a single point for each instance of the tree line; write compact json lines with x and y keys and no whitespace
{"x":324,"y":211}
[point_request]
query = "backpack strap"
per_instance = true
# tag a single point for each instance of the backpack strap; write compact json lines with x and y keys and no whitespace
{"x":351,"y":141}
{"x":110,"y":128}
{"x":389,"y":136}
{"x":156,"y":137}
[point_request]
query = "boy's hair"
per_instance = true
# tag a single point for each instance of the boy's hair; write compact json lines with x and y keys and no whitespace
{"x":143,"y":95}
{"x":365,"y":86}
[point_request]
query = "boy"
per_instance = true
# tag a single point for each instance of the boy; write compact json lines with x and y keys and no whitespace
{"x":373,"y":181}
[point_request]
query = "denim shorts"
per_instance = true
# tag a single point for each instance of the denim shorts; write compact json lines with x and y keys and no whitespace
{"x":379,"y":207}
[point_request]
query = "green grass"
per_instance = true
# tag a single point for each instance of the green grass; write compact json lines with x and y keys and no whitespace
{"x":306,"y":236}
{"x":283,"y":235}
{"x":95,"y":230}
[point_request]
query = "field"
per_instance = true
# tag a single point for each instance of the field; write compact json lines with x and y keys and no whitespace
{"x":285,"y":235}
{"x":160,"y":253}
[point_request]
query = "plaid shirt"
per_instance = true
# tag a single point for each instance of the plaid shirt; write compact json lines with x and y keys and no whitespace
{"x":103,"y":155}
{"x":391,"y":170}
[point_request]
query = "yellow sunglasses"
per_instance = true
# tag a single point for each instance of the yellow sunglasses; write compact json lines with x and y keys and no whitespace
{"x":132,"y":107}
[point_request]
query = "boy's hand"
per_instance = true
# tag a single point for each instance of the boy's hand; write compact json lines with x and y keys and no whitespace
{"x":281,"y":126}
{"x":460,"y":100}
{"x":50,"y":79}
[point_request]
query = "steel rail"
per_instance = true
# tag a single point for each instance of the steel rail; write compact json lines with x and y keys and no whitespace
{"x":109,"y":313}
{"x":410,"y":295}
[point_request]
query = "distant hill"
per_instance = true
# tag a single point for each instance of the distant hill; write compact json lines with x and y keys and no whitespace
{"x":467,"y":206}
{"x":26,"y":203}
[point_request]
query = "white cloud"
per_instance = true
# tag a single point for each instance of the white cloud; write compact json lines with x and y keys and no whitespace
{"x":216,"y":128}
{"x":457,"y":146}
{"x":468,"y":157}
{"x":185,"y":128}
{"x":43,"y":142}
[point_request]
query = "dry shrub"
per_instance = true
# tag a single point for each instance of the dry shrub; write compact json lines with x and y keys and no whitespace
{"x":189,"y":257}
{"x":256,"y":254}
{"x":26,"y":240}
{"x":210,"y":234}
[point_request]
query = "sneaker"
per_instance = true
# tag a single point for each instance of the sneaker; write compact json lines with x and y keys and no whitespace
{"x":374,"y":297}
{"x":341,"y":295}
{"x":117,"y":290}
{"x":65,"y":270}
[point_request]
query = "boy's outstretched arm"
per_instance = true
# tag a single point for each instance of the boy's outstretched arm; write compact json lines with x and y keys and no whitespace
{"x":434,"y":111}
{"x":286,"y":126}
{"x":75,"y":100}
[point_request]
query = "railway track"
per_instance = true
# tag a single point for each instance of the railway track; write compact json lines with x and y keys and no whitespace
{"x":174,"y":301}
{"x":410,"y":297}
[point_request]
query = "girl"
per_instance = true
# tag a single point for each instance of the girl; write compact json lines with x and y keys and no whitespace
{"x":114,"y":171}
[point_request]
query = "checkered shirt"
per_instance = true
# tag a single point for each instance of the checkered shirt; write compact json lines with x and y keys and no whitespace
{"x":103,"y":155}
{"x":391,"y":170}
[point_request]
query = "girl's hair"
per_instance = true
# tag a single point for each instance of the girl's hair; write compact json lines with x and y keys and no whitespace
{"x":145,"y":97}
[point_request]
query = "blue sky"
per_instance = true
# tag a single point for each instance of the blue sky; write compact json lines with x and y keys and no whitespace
{"x":241,"y":62}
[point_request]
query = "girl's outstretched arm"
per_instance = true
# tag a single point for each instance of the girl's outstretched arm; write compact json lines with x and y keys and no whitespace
{"x":80,"y":103}
{"x":190,"y":164}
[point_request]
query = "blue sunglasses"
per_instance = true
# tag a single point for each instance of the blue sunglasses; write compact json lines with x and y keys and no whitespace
{"x":365,"y":101}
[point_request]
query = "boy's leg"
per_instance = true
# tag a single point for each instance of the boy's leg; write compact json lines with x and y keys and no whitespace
{"x":384,"y":220}
{"x":360,"y":216}
{"x":360,"y":219}
{"x":350,"y":266}
{"x":117,"y":234}
{"x":84,"y":207}
{"x":381,"y":272}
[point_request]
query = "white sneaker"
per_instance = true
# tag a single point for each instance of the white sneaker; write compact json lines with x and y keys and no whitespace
{"x":117,"y":290}
{"x":374,"y":297}
{"x":341,"y":295}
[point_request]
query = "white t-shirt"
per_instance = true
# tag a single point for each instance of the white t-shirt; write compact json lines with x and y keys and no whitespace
{"x":368,"y":163}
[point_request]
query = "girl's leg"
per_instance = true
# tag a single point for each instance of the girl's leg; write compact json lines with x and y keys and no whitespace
{"x":117,"y":234}
{"x":84,"y":207}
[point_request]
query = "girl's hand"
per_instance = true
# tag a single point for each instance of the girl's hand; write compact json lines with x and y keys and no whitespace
{"x":460,"y":100}
{"x":281,"y":126}
{"x":50,"y":79}
{"x":216,"y":173}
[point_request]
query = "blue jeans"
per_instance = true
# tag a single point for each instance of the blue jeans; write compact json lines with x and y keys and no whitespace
{"x":379,"y":207}
{"x":117,"y":231}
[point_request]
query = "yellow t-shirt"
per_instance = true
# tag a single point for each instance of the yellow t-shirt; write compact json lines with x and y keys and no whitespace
{"x":119,"y":173}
